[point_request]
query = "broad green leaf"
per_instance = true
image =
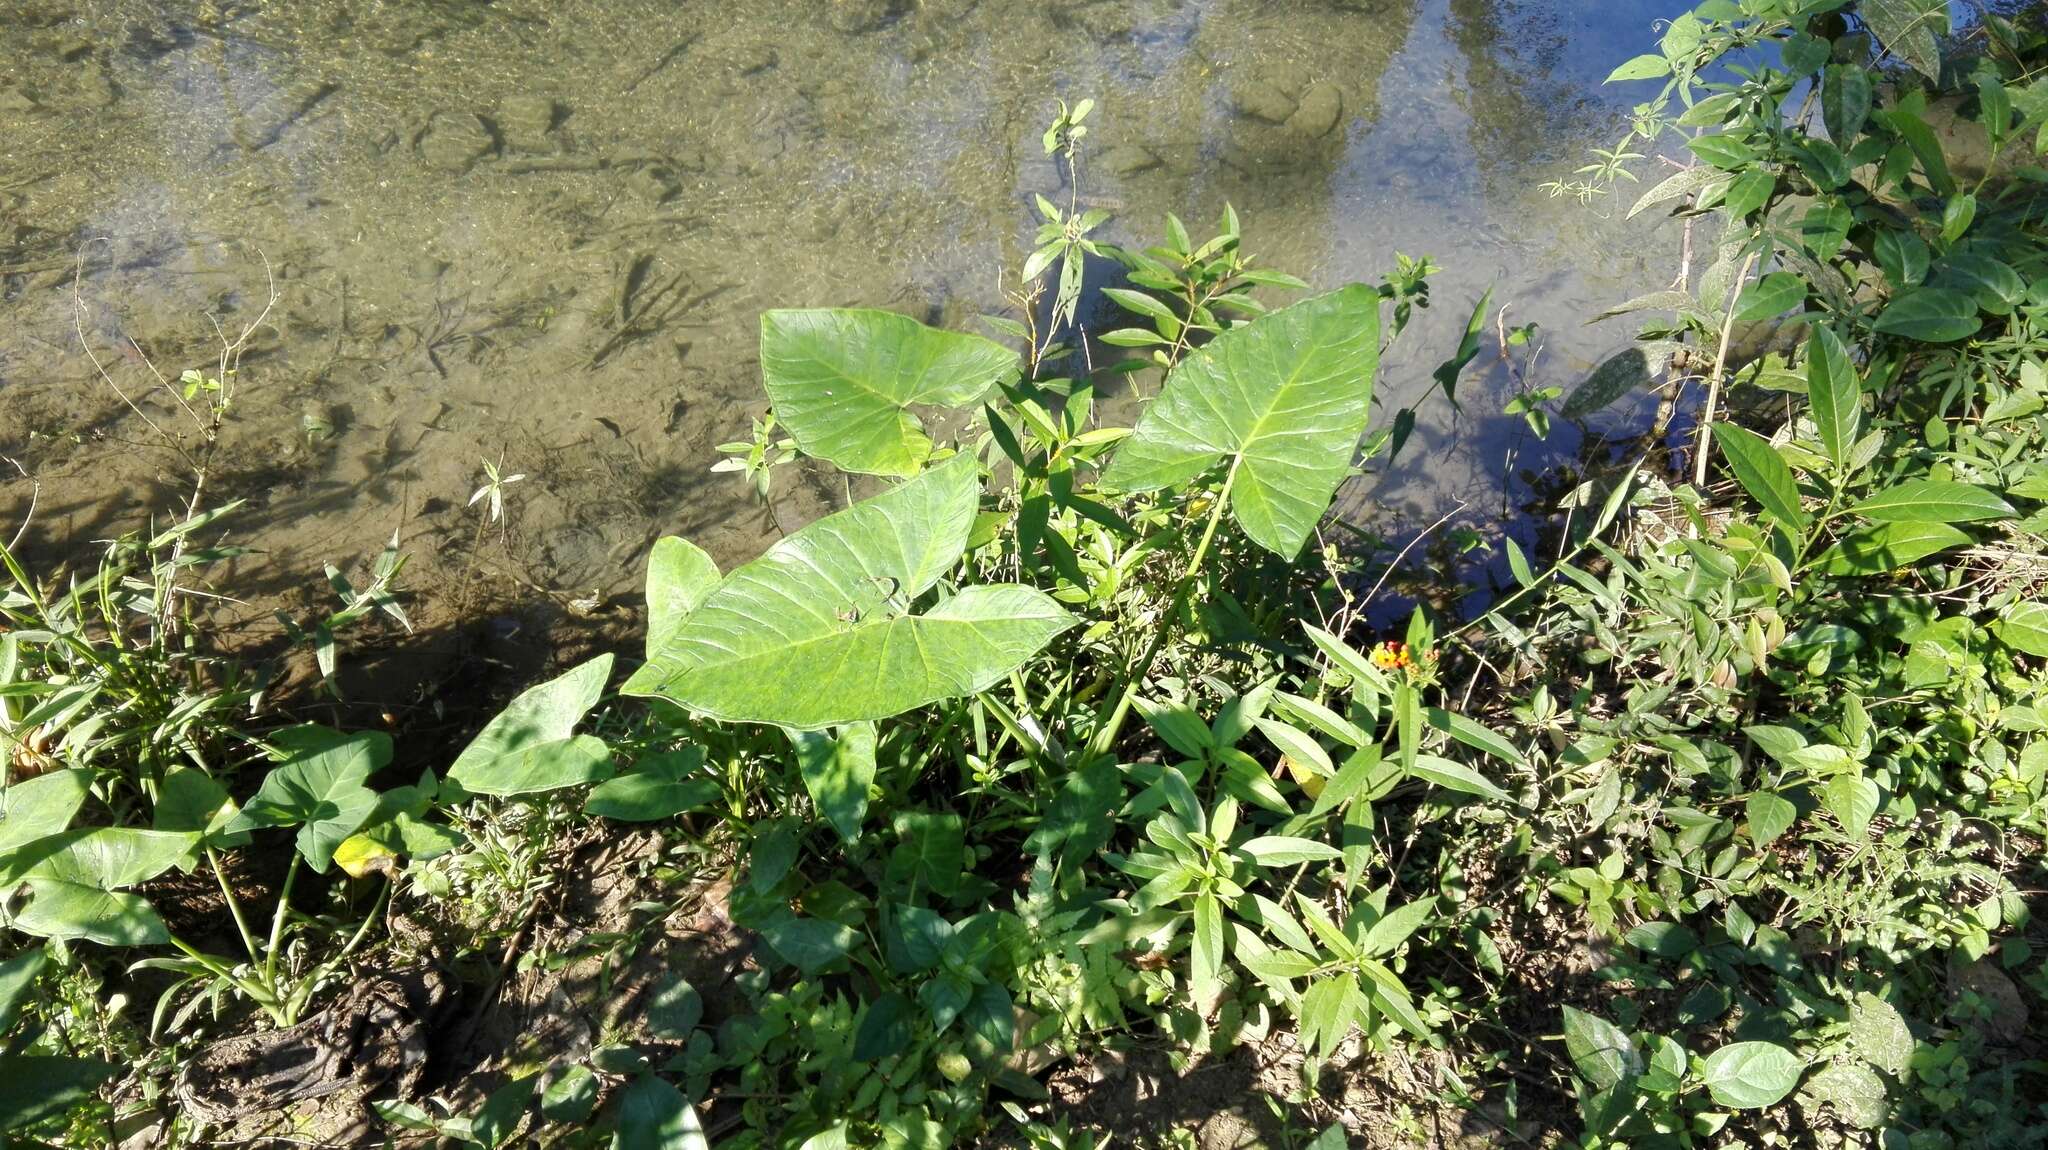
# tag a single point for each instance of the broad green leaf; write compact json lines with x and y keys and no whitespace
{"x":2025,"y":628}
{"x":74,"y":880}
{"x":1879,"y":1033}
{"x":1911,"y":29}
{"x":809,"y":944}
{"x":1933,"y":501}
{"x":1770,"y":815}
{"x":38,"y":807}
{"x":1457,"y":777}
{"x":990,"y":1017}
{"x":1853,"y":800}
{"x":1178,"y":724}
{"x":885,"y":1028}
{"x":1992,"y":282}
{"x":189,"y":799}
{"x":931,"y":852}
{"x":675,"y":1010}
{"x":1762,"y":472}
{"x":679,"y":575}
{"x":815,"y":632}
{"x":658,"y":787}
{"x":1321,"y":718}
{"x":915,"y":937}
{"x":1845,"y":102}
{"x":321,"y":792}
{"x":107,"y":858}
{"x":1335,"y":1136}
{"x":655,"y":1116}
{"x":71,"y":910}
{"x":571,"y":1096}
{"x":834,"y":1137}
{"x":1446,"y":374}
{"x":1853,"y":1090}
{"x":34,"y":1087}
{"x":1888,"y":547}
{"x":1392,"y":997}
{"x":502,"y":1111}
{"x":1930,"y":315}
{"x":1283,"y":398}
{"x":1599,"y":1049}
{"x":1286,"y":850}
{"x":837,"y":770}
{"x":1751,"y":1075}
{"x":842,"y":381}
{"x":1663,"y":939}
{"x":528,"y":747}
{"x":1835,"y":394}
{"x":1723,"y":150}
{"x":1749,"y":191}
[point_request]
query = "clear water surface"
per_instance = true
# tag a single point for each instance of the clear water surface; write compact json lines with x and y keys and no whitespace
{"x":543,"y":233}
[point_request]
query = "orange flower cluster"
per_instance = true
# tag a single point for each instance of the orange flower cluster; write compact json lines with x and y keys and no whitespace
{"x":1392,"y":655}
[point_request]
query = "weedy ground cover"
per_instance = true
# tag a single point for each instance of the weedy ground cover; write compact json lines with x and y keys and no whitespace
{"x":1065,"y":759}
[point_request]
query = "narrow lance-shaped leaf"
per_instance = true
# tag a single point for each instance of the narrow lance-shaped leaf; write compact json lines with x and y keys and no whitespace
{"x":1762,"y":472}
{"x":1284,"y":399}
{"x":1933,"y":501}
{"x":842,"y":381}
{"x":1834,"y":393}
{"x":816,"y":632}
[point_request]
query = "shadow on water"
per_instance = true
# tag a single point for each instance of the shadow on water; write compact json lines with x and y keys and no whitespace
{"x":539,"y":234}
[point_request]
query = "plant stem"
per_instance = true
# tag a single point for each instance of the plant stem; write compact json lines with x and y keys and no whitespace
{"x":284,"y":903}
{"x":1699,"y":462}
{"x":234,"y":907}
{"x":1106,"y":731}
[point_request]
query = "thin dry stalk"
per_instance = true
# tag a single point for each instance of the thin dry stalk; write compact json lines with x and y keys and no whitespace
{"x":1699,"y":464}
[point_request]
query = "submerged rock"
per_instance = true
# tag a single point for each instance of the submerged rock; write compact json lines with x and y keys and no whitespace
{"x":17,"y":99}
{"x":1257,"y":99}
{"x":526,"y":121}
{"x":1127,"y":160}
{"x":1320,"y":109}
{"x":856,"y":16}
{"x":655,"y":183}
{"x":455,"y":141}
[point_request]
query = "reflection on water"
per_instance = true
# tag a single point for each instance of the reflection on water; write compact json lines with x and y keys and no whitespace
{"x":544,"y":232}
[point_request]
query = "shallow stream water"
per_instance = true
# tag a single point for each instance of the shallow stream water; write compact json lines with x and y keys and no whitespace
{"x":543,"y":233}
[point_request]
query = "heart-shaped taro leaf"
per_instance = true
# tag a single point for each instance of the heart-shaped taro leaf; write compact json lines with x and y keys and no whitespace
{"x":842,"y":381}
{"x":321,"y":791}
{"x":1284,"y":399}
{"x":816,"y":632}
{"x":658,"y":787}
{"x":530,"y":746}
{"x":75,"y":881}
